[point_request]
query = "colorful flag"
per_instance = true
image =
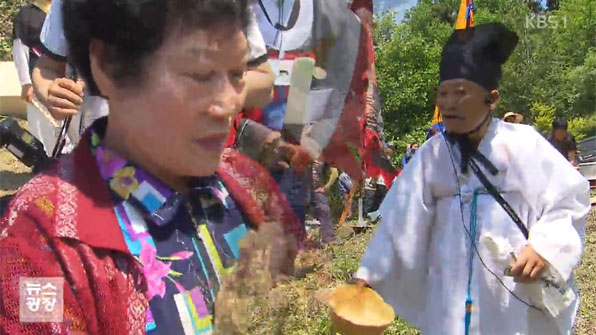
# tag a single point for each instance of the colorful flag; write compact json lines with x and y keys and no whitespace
{"x":437,"y":126}
{"x":364,"y":149}
{"x":465,"y":18}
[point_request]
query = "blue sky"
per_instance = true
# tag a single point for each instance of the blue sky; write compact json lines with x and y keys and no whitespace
{"x":381,"y":6}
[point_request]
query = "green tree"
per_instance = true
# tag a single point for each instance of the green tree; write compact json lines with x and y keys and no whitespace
{"x":407,"y":66}
{"x":553,"y":67}
{"x":545,"y":115}
{"x":8,"y":10}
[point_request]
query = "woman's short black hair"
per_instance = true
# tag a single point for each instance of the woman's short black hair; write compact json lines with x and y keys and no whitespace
{"x":132,"y":30}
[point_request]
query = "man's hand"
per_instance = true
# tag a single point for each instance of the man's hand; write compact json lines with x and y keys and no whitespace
{"x":290,"y":155}
{"x":65,"y":98}
{"x":572,"y":155}
{"x":320,"y":190}
{"x":528,"y":267}
{"x":301,"y":158}
{"x":27,"y":93}
{"x":273,"y":154}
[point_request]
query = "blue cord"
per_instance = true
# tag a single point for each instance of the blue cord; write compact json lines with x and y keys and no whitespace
{"x":469,"y":301}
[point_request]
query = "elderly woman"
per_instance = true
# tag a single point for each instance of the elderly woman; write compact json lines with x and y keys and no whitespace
{"x":146,"y":216}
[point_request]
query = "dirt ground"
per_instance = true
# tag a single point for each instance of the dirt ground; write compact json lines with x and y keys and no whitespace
{"x":13,"y":173}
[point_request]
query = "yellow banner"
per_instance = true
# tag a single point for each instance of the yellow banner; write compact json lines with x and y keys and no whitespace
{"x":462,"y":18}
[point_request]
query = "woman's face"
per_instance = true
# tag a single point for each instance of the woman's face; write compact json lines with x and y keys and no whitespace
{"x":178,"y":119}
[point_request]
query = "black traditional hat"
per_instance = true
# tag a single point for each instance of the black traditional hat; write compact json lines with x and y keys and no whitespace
{"x":477,"y":54}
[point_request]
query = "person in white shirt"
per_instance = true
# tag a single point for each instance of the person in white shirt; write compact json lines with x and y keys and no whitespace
{"x":483,"y":183}
{"x":26,"y":51}
{"x":65,"y":97}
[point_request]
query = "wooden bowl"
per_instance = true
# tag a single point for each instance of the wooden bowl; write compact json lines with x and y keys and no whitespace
{"x":357,"y":310}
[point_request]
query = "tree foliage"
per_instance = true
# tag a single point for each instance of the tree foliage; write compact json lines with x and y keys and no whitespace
{"x":8,"y":10}
{"x":552,"y":72}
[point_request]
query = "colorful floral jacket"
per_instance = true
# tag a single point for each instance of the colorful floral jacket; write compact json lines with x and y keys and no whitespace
{"x":62,"y":224}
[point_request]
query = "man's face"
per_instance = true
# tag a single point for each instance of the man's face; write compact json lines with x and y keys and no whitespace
{"x":462,"y":103}
{"x":560,"y":134}
{"x":414,"y":147}
{"x":183,"y":109}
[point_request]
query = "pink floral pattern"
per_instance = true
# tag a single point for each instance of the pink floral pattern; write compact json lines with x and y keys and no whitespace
{"x":154,"y":270}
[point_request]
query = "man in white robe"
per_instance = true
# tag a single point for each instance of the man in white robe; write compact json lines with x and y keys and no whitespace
{"x":427,"y":258}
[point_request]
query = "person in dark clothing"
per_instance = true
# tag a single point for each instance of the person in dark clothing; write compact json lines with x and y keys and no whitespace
{"x":376,"y":189}
{"x":323,"y":177}
{"x":345,"y":185}
{"x":27,"y":28}
{"x":409,"y":153}
{"x":562,"y":139}
{"x":26,"y":50}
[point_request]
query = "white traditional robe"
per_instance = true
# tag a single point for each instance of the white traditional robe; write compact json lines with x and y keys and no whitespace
{"x":418,"y":258}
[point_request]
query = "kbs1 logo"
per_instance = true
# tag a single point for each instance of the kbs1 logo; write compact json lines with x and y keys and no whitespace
{"x":543,"y":21}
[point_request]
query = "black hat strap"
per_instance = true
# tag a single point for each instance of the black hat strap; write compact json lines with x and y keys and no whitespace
{"x":467,"y":148}
{"x":479,"y":126}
